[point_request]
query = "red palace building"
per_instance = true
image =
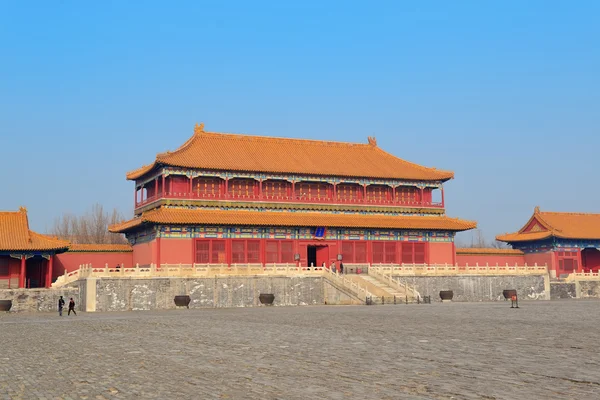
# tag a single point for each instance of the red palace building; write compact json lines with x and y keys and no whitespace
{"x":566,"y":242}
{"x":32,"y":260}
{"x":26,"y":257}
{"x":240,"y":199}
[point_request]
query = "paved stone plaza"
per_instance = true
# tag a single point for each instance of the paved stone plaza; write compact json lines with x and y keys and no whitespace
{"x":440,"y":351}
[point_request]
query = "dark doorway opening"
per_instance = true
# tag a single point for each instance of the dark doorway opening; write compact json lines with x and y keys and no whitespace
{"x":34,"y":272}
{"x":311,"y":256}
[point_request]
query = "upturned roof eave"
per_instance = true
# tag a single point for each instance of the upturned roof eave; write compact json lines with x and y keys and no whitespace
{"x":445,"y":176}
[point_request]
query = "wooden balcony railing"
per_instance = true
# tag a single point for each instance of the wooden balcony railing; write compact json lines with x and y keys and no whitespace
{"x":299,"y":199}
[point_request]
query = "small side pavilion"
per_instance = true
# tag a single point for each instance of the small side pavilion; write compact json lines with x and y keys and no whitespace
{"x":26,"y":257}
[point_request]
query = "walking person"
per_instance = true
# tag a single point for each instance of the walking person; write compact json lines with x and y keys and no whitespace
{"x":71,"y":307}
{"x":61,"y":304}
{"x":341,"y":268}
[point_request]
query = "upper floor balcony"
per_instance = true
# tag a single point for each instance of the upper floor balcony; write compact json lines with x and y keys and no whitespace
{"x":281,"y":191}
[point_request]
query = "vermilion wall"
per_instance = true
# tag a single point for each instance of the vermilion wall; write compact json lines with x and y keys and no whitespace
{"x":489,"y":259}
{"x":541,"y":259}
{"x":179,"y":184}
{"x":70,"y":261}
{"x":14,"y":268}
{"x":441,"y":253}
{"x":144,"y":253}
{"x":175,"y":251}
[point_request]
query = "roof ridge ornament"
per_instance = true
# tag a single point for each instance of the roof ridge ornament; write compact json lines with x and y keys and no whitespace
{"x":199,"y":128}
{"x":23,"y":209}
{"x":536,"y":210}
{"x":372,"y":140}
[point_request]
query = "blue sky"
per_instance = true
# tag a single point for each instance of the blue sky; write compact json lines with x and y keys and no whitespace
{"x":505,"y":93}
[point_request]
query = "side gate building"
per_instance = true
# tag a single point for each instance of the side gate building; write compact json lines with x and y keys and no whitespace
{"x":566,"y":242}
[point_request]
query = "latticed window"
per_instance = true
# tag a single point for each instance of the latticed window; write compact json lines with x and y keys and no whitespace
{"x":347,"y":251}
{"x":287,"y":251}
{"x":206,"y":186}
{"x":275,"y":188}
{"x":238,"y":251}
{"x":413,"y":253}
{"x":202,"y":251}
{"x":312,"y":190}
{"x":390,"y":252}
{"x":378,"y":253}
{"x":218,"y":255}
{"x":245,"y":251}
{"x":360,"y":252}
{"x":378,"y":192}
{"x":406,"y":194}
{"x":384,"y":252}
{"x":354,"y":252}
{"x":253,"y":252}
{"x":567,"y":261}
{"x":347,"y":192}
{"x":419,"y":249}
{"x":407,"y":253}
{"x":209,"y":251}
{"x":241,"y":187}
{"x":272,"y":251}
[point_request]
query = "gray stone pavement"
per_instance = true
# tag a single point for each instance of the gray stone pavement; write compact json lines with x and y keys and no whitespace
{"x":544,"y":350}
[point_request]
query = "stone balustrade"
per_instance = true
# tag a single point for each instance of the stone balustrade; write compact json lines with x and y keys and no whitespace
{"x":349,"y":284}
{"x":185,"y":270}
{"x":211,"y":270}
{"x":583,"y":276}
{"x":448,"y":269}
{"x":403,"y":287}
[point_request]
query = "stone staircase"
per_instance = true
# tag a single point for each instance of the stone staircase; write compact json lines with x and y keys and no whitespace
{"x":377,"y":288}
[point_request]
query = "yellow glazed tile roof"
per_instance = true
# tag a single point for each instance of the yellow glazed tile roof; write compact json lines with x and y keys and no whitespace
{"x":16,"y":236}
{"x":220,"y":151}
{"x":489,"y":251}
{"x":305,"y":219}
{"x":103,"y":248}
{"x":558,"y":224}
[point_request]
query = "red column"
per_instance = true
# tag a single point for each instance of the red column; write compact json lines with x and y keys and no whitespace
{"x":453,"y":253}
{"x":364,"y":193}
{"x":49,"y":272}
{"x":163,"y":186}
{"x":226,"y":187}
{"x":442,"y":196}
{"x":22,"y":273}
{"x":293,"y":190}
{"x":135,"y":197}
{"x":156,"y":187}
{"x":422,"y":197}
{"x":191,"y":186}
{"x":158,"y":250}
{"x":335,"y":192}
{"x":394,"y":194}
{"x":228,"y":251}
{"x":260,"y":189}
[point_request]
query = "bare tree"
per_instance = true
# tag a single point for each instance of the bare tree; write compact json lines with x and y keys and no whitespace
{"x":478,"y":241}
{"x":92,"y":227}
{"x":496,"y":244}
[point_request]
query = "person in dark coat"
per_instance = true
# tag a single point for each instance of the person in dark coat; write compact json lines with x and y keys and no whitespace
{"x":71,"y":306}
{"x":61,"y":304}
